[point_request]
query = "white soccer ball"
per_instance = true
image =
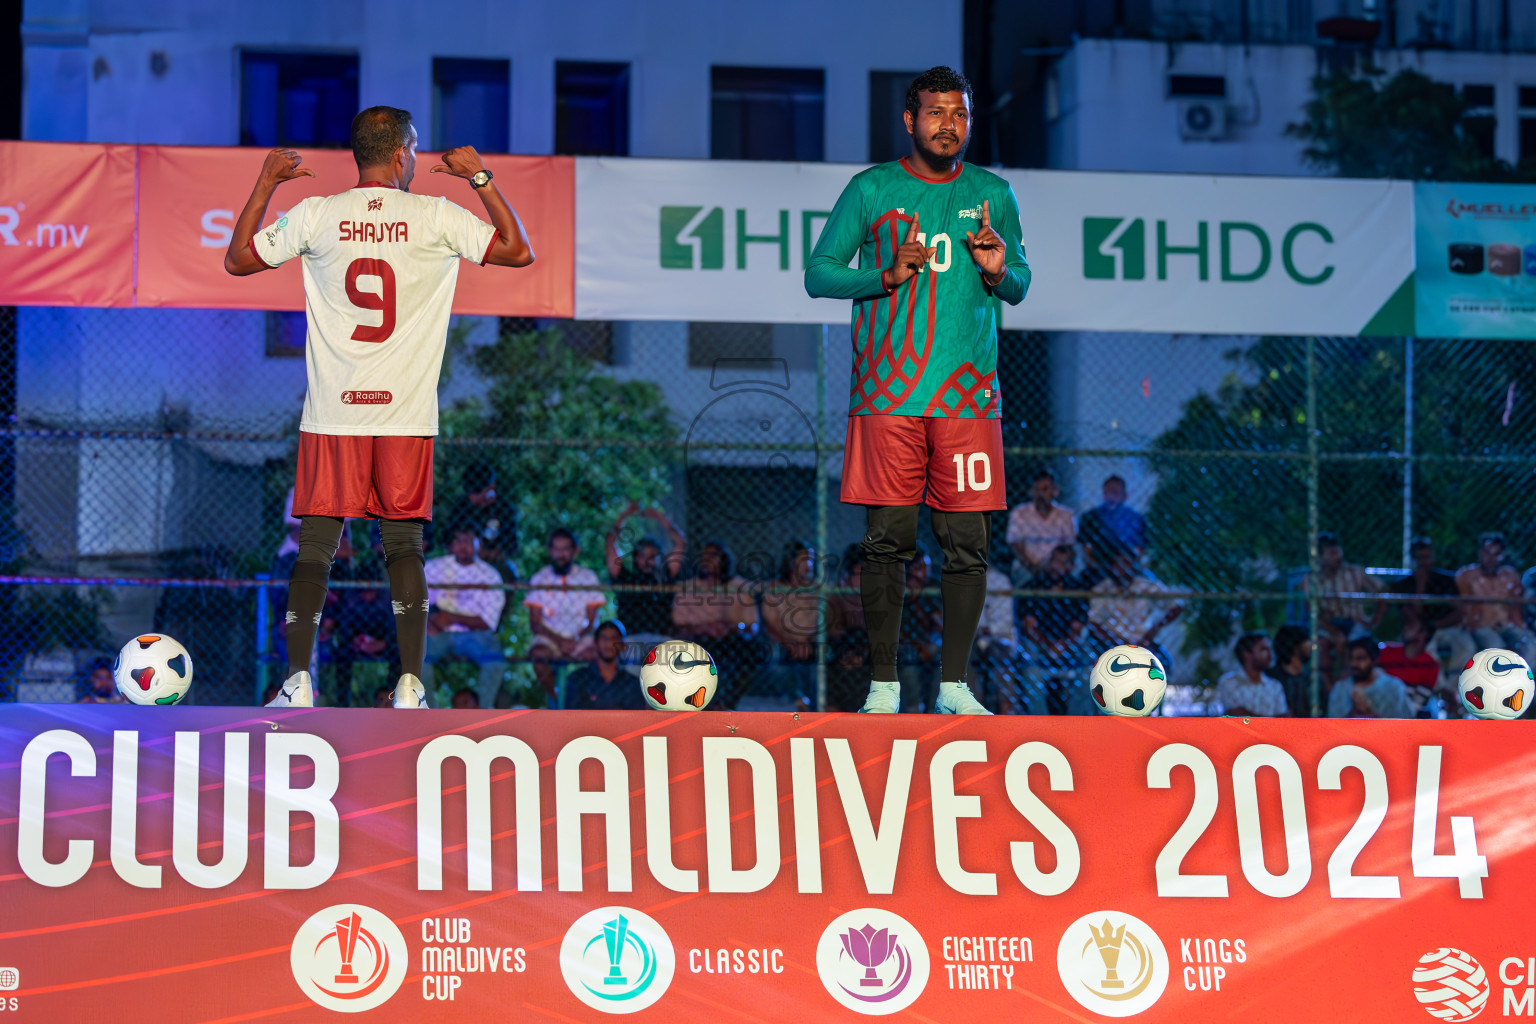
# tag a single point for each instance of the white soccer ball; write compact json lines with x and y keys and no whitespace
{"x":153,"y":669}
{"x":1496,"y":684}
{"x":1128,"y":680}
{"x":678,"y":676}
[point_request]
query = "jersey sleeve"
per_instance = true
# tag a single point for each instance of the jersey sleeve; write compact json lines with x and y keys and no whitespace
{"x":1015,"y":282}
{"x":828,"y":275}
{"x":462,"y":232}
{"x":278,"y":243}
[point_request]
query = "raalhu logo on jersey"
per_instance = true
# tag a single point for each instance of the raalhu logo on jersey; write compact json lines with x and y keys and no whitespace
{"x":617,"y":960}
{"x":1116,"y":249}
{"x":872,"y":961}
{"x":1112,"y":963}
{"x":366,"y":398}
{"x":349,"y":958}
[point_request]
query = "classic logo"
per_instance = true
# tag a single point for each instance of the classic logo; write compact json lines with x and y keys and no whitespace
{"x":1112,"y":963}
{"x":1450,"y":984}
{"x":1115,"y":248}
{"x":617,"y":960}
{"x":872,"y":961}
{"x":366,"y":398}
{"x":349,"y":958}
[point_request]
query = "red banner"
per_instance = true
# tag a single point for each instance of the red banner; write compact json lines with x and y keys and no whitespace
{"x":66,"y":224}
{"x":190,"y":196}
{"x":197,"y":864}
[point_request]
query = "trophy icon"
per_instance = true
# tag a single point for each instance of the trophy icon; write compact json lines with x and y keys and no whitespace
{"x":869,"y":949}
{"x":347,"y":931}
{"x":615,"y":933}
{"x":1108,"y":941}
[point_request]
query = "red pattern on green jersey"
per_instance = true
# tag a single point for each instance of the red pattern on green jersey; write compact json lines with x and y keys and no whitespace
{"x":966,"y":393}
{"x":883,"y":375}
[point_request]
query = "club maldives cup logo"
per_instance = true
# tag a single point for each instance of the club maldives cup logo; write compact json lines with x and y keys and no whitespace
{"x":1112,"y":963}
{"x":1450,"y":984}
{"x":617,"y":960}
{"x":349,"y":958}
{"x":872,"y":961}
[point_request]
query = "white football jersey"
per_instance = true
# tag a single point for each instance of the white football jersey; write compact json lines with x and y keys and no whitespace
{"x":380,"y":267}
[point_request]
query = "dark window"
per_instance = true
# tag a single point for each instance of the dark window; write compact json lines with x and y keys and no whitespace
{"x":1528,"y":97}
{"x":471,"y":104}
{"x":1528,"y":138}
{"x":297,"y":99}
{"x":708,"y":343}
{"x":285,"y":334}
{"x":1478,"y":95}
{"x":1480,"y":130}
{"x":888,"y":138}
{"x":591,"y":108}
{"x":767,"y":113}
{"x":1197,"y":85}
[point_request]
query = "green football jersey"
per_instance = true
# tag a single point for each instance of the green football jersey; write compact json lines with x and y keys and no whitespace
{"x":930,"y":347}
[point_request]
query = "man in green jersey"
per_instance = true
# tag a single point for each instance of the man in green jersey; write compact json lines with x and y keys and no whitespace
{"x":939,"y":250}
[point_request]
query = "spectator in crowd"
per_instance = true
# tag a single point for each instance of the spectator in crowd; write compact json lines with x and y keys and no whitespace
{"x":1251,"y":691}
{"x":464,"y":700}
{"x":717,"y":609}
{"x":493,"y":521}
{"x":1129,"y":612}
{"x":461,"y":622}
{"x":848,"y":663}
{"x":384,"y":697}
{"x":562,"y":611}
{"x":1055,"y":634}
{"x":365,"y":631}
{"x":922,"y":626}
{"x":1368,"y":692}
{"x":1293,"y":669}
{"x":845,"y":612}
{"x":647,"y":614}
{"x":1428,"y":581}
{"x":1342,"y":618}
{"x":1419,"y":670}
{"x":1499,"y":622}
{"x":1112,"y":523}
{"x":98,"y":686}
{"x":997,"y":659}
{"x":1038,"y":526}
{"x":790,"y":611}
{"x":604,"y":684}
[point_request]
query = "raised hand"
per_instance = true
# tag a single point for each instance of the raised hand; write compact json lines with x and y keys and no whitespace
{"x":462,"y":162}
{"x":283,"y":164}
{"x":988,"y":250}
{"x":910,"y":258}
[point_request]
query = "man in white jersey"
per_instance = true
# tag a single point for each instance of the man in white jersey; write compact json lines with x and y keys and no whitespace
{"x":379,"y":268}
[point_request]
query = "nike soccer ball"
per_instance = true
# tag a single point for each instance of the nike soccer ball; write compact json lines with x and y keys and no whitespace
{"x":1128,"y":680}
{"x":153,"y":669}
{"x":678,"y":676}
{"x":1496,"y":684}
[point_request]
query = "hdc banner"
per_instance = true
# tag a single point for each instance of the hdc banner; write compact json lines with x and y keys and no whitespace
{"x":66,"y":224}
{"x":239,"y":864}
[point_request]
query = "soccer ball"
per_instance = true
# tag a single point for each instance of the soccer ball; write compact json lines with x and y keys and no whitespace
{"x":678,"y":676}
{"x":1128,"y":680}
{"x":1496,"y":684}
{"x":153,"y":669}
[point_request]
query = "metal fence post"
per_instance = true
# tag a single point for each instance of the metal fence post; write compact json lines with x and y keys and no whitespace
{"x":821,"y":524}
{"x":1313,"y":468}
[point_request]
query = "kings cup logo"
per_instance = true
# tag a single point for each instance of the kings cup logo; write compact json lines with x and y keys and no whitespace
{"x":349,"y":958}
{"x":872,"y":961}
{"x":1112,"y":963}
{"x":617,"y":960}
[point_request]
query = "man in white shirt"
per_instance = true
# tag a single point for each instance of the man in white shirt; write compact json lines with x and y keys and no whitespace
{"x":1129,"y":611}
{"x":380,"y":266}
{"x":462,"y":623}
{"x":562,"y":612}
{"x":1249,"y":691}
{"x":1036,"y":527}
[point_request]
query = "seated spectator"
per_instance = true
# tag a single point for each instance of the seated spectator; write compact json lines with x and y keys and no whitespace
{"x":1055,"y":631}
{"x":1112,"y":524}
{"x":997,"y":661}
{"x":604,"y":684}
{"x":492,"y":520}
{"x":465,"y":700}
{"x":848,"y":662}
{"x":1368,"y":692}
{"x":462,"y":623}
{"x":562,"y":612}
{"x":1293,"y":669}
{"x":1419,"y":670}
{"x":1127,"y":613}
{"x":845,"y":612}
{"x":717,"y":609}
{"x":791,"y":608}
{"x":648,"y":614}
{"x":1038,"y":526}
{"x":1499,"y":622}
{"x":365,"y":631}
{"x":1340,"y":619}
{"x":922,"y":627}
{"x":98,"y":686}
{"x":1428,"y":581}
{"x":384,"y":697}
{"x":1251,"y":691}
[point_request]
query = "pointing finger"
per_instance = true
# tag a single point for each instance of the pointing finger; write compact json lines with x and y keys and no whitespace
{"x":304,"y":172}
{"x":438,"y":168}
{"x":912,"y":228}
{"x":986,"y":214}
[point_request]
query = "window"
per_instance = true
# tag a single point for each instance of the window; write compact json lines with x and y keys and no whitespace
{"x":591,"y":108}
{"x":767,"y":113}
{"x":888,"y":138}
{"x":1479,"y":121}
{"x":471,"y":104}
{"x":297,"y":99}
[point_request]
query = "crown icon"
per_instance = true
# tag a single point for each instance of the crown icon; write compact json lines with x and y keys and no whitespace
{"x":1108,"y":940}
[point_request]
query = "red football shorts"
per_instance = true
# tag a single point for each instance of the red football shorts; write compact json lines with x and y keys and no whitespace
{"x":889,"y":460}
{"x":356,"y":476}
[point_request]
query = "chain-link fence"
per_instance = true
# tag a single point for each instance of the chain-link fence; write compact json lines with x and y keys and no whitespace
{"x":150,"y":452}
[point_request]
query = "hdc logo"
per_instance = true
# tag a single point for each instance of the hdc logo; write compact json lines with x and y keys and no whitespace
{"x":1115,"y":248}
{"x":694,"y":237}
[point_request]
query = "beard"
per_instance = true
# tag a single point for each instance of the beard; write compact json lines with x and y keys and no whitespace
{"x":933,"y":155}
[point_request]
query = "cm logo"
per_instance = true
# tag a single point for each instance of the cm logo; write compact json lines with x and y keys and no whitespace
{"x":1115,"y":248}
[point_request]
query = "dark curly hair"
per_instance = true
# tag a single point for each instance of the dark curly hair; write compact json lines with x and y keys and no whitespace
{"x":377,"y":132}
{"x":937,"y":79}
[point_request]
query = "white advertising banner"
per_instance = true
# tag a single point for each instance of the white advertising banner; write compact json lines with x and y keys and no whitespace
{"x":728,"y":241}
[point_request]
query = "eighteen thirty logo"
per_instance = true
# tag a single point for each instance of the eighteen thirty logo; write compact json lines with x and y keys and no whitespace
{"x":1450,"y":984}
{"x":872,"y":961}
{"x":617,"y":960}
{"x":349,"y":958}
{"x":1112,"y":963}
{"x":1115,"y":248}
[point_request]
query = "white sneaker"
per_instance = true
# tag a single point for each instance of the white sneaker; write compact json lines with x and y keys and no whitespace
{"x":957,"y":699}
{"x":883,"y":699}
{"x":409,"y":693}
{"x":297,"y":692}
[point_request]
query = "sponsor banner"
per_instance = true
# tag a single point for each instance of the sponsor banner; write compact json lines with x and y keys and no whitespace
{"x":1475,"y":246}
{"x":66,"y":224}
{"x":710,"y":240}
{"x":200,"y":864}
{"x":190,"y":196}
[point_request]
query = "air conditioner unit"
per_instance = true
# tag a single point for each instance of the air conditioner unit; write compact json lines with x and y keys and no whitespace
{"x":1203,"y":119}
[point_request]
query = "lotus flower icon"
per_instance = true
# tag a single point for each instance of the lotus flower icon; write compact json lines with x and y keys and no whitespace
{"x":869,"y":949}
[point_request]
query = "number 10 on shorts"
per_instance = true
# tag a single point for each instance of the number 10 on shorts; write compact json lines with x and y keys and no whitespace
{"x":973,"y":471}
